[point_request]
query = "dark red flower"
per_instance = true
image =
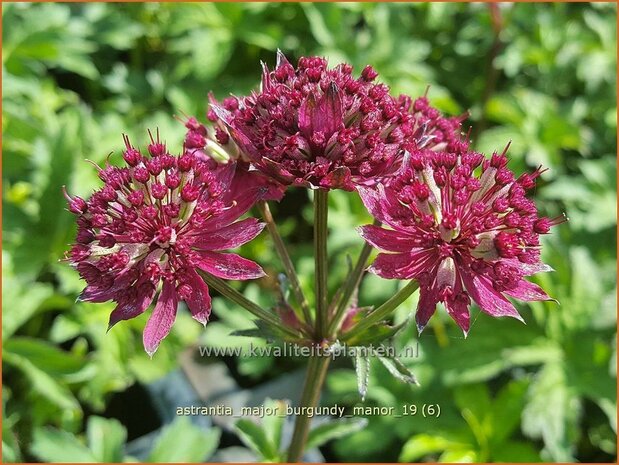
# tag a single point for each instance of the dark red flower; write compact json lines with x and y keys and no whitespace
{"x":223,"y":150}
{"x":462,"y":235}
{"x":157,"y":221}
{"x":318,"y":127}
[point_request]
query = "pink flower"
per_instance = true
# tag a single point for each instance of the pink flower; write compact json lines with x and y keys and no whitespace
{"x":462,"y":235}
{"x":318,"y":127}
{"x":159,"y":220}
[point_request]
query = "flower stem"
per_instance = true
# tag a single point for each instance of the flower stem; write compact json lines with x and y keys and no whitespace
{"x":229,"y":292}
{"x":351,"y":283}
{"x":321,"y":199}
{"x":383,"y":311}
{"x":280,"y":247}
{"x":315,"y":377}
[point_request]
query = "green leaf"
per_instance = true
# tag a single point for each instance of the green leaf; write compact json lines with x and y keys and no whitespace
{"x":273,"y":424}
{"x":334,"y":429}
{"x":182,"y":441}
{"x":423,"y":444}
{"x":318,"y":26}
{"x":551,"y":412}
{"x":106,"y":439}
{"x":44,"y":384}
{"x":398,"y":370}
{"x":516,"y":452}
{"x":507,"y":409}
{"x":45,"y":356}
{"x":254,"y":437}
{"x":53,"y":445}
{"x":20,"y":302}
{"x":475,"y":398}
{"x":375,"y":334}
{"x":362,"y":370}
{"x":458,"y":456}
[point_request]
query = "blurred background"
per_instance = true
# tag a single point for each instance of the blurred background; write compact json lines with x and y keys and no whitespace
{"x":76,"y":76}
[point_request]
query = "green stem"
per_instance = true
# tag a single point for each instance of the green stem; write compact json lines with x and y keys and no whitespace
{"x":229,"y":292}
{"x":351,"y":283}
{"x":384,"y":310}
{"x":315,"y":377}
{"x":280,"y":247}
{"x":321,"y":199}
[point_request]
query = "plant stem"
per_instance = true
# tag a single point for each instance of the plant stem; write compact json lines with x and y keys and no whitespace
{"x":351,"y":283}
{"x":321,"y":199}
{"x":383,"y":311}
{"x":316,"y":374}
{"x":280,"y":247}
{"x":229,"y":292}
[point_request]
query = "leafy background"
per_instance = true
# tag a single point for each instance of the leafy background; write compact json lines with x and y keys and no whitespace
{"x":541,"y":75}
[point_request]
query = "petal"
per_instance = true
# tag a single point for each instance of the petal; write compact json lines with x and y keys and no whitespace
{"x":387,"y":239}
{"x":239,"y":203}
{"x":200,"y":301}
{"x":306,"y":112}
{"x":426,"y":307}
{"x":230,"y":236}
{"x":489,"y":299}
{"x":371,"y":200}
{"x":339,"y":178}
{"x":327,"y":116}
{"x":229,"y":266}
{"x":265,"y":84}
{"x":528,"y":291}
{"x":402,"y":265}
{"x":225,"y":173}
{"x":162,"y":318}
{"x":528,"y":269}
{"x":277,"y":171}
{"x":237,"y":131}
{"x":281,"y":59}
{"x":98,"y":294}
{"x":459,"y":312}
{"x":132,"y":304}
{"x":247,"y":176}
{"x":382,"y":205}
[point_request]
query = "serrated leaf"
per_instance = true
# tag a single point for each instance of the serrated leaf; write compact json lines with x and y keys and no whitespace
{"x":334,"y":429}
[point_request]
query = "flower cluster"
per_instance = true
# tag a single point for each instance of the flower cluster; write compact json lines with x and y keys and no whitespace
{"x":457,"y":222}
{"x":462,"y":226}
{"x":322,"y":128}
{"x":158,"y":220}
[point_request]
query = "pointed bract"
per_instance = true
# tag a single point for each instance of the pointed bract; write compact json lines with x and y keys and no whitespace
{"x":161,"y":319}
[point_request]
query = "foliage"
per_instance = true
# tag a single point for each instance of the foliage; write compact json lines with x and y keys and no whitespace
{"x":76,"y":76}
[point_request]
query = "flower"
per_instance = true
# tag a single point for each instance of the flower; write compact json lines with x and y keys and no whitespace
{"x":322,"y":128}
{"x":462,"y":231}
{"x":159,"y":220}
{"x":222,"y":149}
